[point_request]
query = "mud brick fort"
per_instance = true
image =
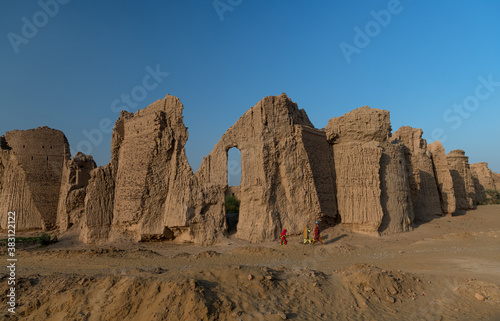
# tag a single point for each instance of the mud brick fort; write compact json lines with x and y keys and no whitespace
{"x":354,"y":172}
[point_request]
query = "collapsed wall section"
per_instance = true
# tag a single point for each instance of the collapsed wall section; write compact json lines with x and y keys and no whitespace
{"x":424,"y":190}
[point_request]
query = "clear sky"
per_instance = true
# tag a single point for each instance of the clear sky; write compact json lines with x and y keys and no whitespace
{"x":72,"y":66}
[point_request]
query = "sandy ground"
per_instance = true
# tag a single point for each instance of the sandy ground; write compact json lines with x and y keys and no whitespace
{"x":446,"y":269}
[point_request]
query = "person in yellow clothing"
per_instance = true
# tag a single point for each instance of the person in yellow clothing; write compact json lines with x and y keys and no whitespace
{"x":307,"y":235}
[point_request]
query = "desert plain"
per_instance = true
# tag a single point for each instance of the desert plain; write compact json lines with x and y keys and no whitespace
{"x":446,"y":269}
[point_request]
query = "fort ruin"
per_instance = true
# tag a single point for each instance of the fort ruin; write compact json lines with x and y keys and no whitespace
{"x":355,"y":172}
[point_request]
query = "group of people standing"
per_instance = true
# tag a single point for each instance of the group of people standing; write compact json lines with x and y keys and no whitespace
{"x":307,"y":235}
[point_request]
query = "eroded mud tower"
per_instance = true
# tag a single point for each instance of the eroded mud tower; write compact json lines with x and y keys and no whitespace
{"x":462,"y":179}
{"x":373,"y":191}
{"x":484,"y":180}
{"x":31,"y":166}
{"x":443,"y":178}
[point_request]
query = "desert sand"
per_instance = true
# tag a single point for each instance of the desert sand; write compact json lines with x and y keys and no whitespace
{"x":446,"y":269}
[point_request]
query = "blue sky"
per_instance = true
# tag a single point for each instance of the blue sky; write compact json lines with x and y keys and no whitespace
{"x":433,"y":64}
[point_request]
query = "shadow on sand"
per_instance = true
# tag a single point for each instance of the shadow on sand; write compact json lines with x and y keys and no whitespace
{"x":335,"y":239}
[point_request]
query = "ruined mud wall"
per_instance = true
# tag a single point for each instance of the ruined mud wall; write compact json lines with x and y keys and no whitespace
{"x":320,"y":156}
{"x":395,"y":187}
{"x":75,"y":178}
{"x":292,"y":175}
{"x":443,"y":178}
{"x":372,"y":185}
{"x":33,"y":161}
{"x":146,"y":148}
{"x":99,"y":203}
{"x":483,"y":180}
{"x":156,"y":194}
{"x":424,"y":190}
{"x":278,"y":186}
{"x":463,"y":183}
{"x":496,"y":177}
{"x":15,"y":195}
{"x":357,"y":168}
{"x":141,"y":186}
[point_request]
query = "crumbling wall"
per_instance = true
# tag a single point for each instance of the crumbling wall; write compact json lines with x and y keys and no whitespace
{"x":34,"y":163}
{"x":99,"y":203}
{"x":463,"y":183}
{"x":75,"y":178}
{"x":145,"y":140}
{"x":97,"y":220}
{"x":320,"y":156}
{"x":292,"y":175}
{"x":357,"y":171}
{"x":372,"y":185}
{"x":395,"y":187}
{"x":149,"y":177}
{"x":280,"y":186}
{"x":425,"y":194}
{"x":149,"y":188}
{"x":483,"y":180}
{"x":162,"y":198}
{"x":496,"y":177}
{"x":15,"y":195}
{"x":443,"y":178}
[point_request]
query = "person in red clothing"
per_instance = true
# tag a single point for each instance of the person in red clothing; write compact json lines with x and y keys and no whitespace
{"x":317,"y":236}
{"x":283,"y":238}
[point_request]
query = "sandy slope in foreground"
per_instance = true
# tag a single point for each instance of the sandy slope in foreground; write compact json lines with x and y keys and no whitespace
{"x":432,"y":273}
